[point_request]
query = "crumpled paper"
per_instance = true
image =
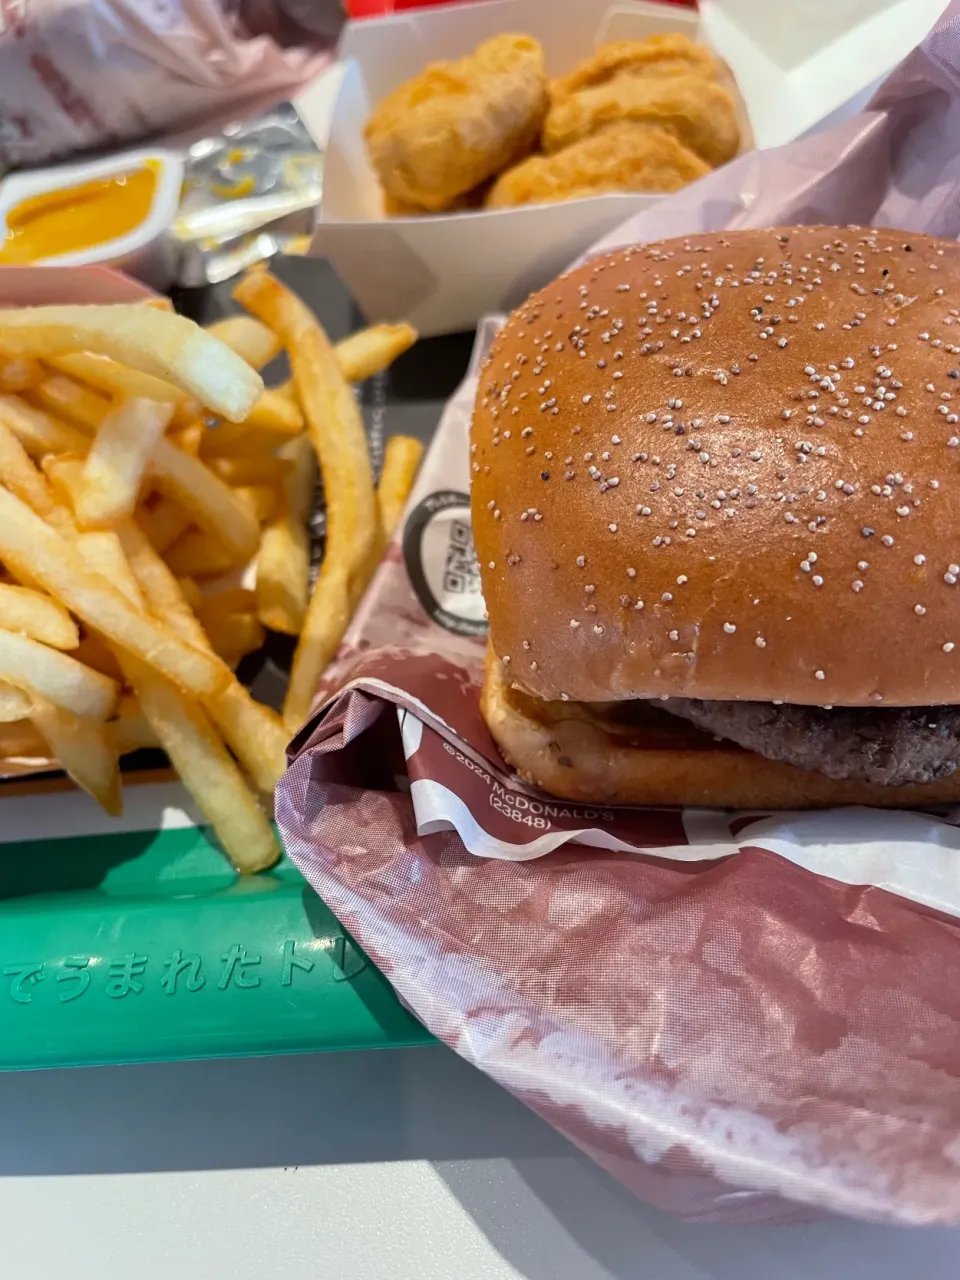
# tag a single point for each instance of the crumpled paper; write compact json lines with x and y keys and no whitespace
{"x":78,"y":74}
{"x":743,"y":1017}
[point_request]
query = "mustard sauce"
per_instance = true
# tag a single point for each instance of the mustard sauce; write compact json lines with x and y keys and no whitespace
{"x":71,"y":219}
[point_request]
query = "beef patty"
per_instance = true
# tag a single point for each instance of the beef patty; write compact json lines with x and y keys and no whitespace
{"x":884,"y":745}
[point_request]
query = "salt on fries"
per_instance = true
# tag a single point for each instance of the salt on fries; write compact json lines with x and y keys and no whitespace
{"x":141,"y":458}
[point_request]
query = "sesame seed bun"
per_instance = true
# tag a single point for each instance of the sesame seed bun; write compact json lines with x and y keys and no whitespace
{"x":583,"y":753}
{"x":726,"y":467}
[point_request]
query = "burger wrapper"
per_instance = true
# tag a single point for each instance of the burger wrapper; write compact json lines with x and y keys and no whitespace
{"x":743,"y":1017}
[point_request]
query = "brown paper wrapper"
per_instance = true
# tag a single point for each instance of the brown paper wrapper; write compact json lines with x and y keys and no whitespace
{"x":743,"y":1017}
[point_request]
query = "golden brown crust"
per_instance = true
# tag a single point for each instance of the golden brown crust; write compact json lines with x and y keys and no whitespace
{"x":394,"y":208}
{"x":669,"y":54}
{"x":458,"y":123}
{"x":623,"y":157}
{"x":701,"y":113}
{"x":781,"y":458}
{"x":575,"y":751}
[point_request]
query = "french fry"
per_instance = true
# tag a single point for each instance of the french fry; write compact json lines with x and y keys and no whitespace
{"x":222,"y":604}
{"x":20,"y":374}
{"x":157,"y":583}
{"x":20,"y":475}
{"x":370,"y":351}
{"x":93,"y":651}
{"x":401,"y":462}
{"x":275,"y":413}
{"x":14,"y":704}
{"x":21,"y":739}
{"x":71,"y":400}
{"x":29,"y":546}
{"x":130,"y":730}
{"x":90,"y":489}
{"x":242,"y":470}
{"x":102,"y":553}
{"x":239,"y":439}
{"x":196,"y":555}
{"x":163,"y":521}
{"x":38,"y":617}
{"x":232,"y":636}
{"x":209,"y":501}
{"x":114,"y":468}
{"x":261,"y":500}
{"x":298,"y":245}
{"x":84,"y":750}
{"x":156,"y":342}
{"x":117,"y":380}
{"x":187,"y":414}
{"x":64,"y":473}
{"x":365,"y":353}
{"x":354,"y":536}
{"x":253,"y":732}
{"x":207,"y":771}
{"x":191,"y":593}
{"x":53,"y":675}
{"x":251,"y":340}
{"x":39,"y":432}
{"x":283,"y":562}
{"x":188,"y":438}
{"x":186,"y":734}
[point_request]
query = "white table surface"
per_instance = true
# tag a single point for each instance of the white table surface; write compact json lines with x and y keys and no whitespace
{"x":404,"y":1165}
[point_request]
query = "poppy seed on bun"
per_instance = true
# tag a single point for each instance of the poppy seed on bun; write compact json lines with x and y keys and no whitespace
{"x":726,"y":467}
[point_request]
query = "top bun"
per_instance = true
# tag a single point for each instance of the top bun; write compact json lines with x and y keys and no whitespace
{"x":728,"y":466}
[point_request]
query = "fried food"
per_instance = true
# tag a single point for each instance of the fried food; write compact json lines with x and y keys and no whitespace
{"x":458,"y":123}
{"x":355,"y":540}
{"x":670,"y":54}
{"x":283,"y":564}
{"x":107,"y":642}
{"x":395,"y":208}
{"x":114,"y":468}
{"x":622,"y":157}
{"x":401,"y":462}
{"x":699,"y":112}
{"x":167,"y":346}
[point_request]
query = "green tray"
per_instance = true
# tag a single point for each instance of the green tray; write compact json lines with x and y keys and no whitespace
{"x":133,"y":941}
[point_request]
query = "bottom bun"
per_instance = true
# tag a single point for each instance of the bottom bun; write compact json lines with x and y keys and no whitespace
{"x":634,"y":753}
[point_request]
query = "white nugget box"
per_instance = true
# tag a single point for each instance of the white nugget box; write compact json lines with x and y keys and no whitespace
{"x":796,"y":62}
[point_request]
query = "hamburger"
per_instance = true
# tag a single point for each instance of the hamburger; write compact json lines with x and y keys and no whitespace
{"x":716,"y":505}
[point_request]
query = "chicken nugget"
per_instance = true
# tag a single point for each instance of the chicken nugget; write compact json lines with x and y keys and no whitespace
{"x":622,"y":157}
{"x":394,"y":208}
{"x":458,"y":123}
{"x":671,"y":54}
{"x":699,"y":112}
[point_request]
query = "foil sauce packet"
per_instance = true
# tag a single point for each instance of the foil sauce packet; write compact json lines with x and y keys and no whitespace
{"x":743,"y":1017}
{"x":80,"y":74}
{"x":249,"y":192}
